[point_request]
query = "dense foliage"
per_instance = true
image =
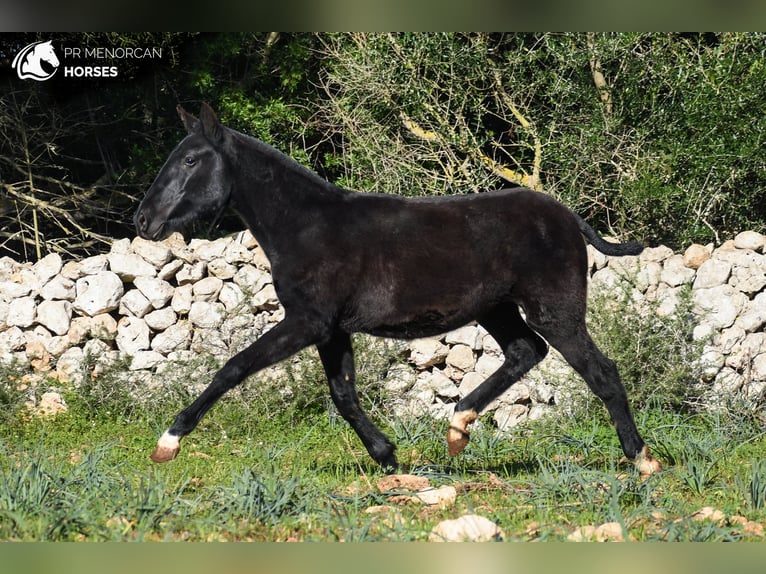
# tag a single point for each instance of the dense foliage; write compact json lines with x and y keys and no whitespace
{"x":650,"y":136}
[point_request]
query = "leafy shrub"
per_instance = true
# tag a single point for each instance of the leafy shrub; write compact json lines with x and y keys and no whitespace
{"x":655,"y":355}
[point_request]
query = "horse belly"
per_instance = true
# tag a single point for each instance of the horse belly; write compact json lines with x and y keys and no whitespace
{"x":426,"y":306}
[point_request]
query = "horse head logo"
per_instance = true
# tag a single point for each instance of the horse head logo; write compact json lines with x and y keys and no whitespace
{"x":37,"y":61}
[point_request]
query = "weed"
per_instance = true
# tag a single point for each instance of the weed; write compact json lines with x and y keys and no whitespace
{"x":263,"y":497}
{"x":13,"y":393}
{"x":698,"y":469}
{"x":754,"y":490}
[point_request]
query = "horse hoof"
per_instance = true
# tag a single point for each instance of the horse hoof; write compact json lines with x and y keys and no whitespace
{"x":647,"y":464}
{"x":457,"y":436}
{"x":167,"y":448}
{"x":161,"y":454}
{"x":457,"y":440}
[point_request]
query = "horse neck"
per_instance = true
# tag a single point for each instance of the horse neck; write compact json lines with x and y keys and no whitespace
{"x":275,"y":195}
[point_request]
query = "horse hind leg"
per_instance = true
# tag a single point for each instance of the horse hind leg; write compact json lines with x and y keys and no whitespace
{"x":522,"y":348}
{"x":571,"y":338}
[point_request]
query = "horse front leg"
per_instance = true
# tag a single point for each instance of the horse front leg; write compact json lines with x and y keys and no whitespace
{"x":281,"y":342}
{"x":337,"y":358}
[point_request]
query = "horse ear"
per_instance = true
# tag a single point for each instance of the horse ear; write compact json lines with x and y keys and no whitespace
{"x":188,"y":120}
{"x":210,"y":125}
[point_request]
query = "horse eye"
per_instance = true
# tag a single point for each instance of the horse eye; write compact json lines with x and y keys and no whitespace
{"x":189,"y":161}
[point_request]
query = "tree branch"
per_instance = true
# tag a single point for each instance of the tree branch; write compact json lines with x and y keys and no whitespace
{"x":598,"y":76}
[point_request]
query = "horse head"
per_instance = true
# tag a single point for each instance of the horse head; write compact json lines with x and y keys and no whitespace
{"x":195,"y":181}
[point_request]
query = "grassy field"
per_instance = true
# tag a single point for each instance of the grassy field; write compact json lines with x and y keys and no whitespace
{"x":252,"y":472}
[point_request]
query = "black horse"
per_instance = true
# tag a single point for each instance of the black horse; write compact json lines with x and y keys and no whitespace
{"x":345,"y":262}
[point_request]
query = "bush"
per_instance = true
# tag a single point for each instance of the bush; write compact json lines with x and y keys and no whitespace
{"x":655,"y":356}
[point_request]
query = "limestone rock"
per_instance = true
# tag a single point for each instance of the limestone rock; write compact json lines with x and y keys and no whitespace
{"x":221,"y":269}
{"x":206,"y":315}
{"x":266,"y":299}
{"x":750,"y":240}
{"x":158,"y":254}
{"x":182,"y":299}
{"x":231,"y":296}
{"x":60,"y":288}
{"x":12,"y":339}
{"x":92,"y":266}
{"x":440,"y":384}
{"x":98,"y":293}
{"x":461,"y":357}
{"x":207,"y":289}
{"x":51,"y":403}
{"x":161,"y":319}
{"x":170,"y":269}
{"x":402,"y":483}
{"x":21,"y":312}
{"x":251,"y":279}
{"x":134,"y":303}
{"x":132,"y":335}
{"x":145,"y":360}
{"x":712,"y":273}
{"x":469,"y":382}
{"x":441,"y":497}
{"x":10,"y":290}
{"x":55,"y":316}
{"x":488,"y":364}
{"x":468,"y":528}
{"x":191,"y":273}
{"x":426,"y":353}
{"x":209,"y":250}
{"x":128,"y":266}
{"x":469,"y":335}
{"x":655,"y":254}
{"x":695,"y":255}
{"x":102,"y":326}
{"x":157,"y":291}
{"x":509,"y":416}
{"x":719,"y":305}
{"x":175,"y":338}
{"x":69,"y":365}
{"x":675,"y":273}
{"x":754,"y":315}
{"x":47,"y":268}
{"x":399,"y":379}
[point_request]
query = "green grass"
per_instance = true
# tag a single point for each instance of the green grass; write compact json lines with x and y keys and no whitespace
{"x":252,"y":473}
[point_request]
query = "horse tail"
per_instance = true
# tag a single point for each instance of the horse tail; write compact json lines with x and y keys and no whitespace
{"x":605,"y":247}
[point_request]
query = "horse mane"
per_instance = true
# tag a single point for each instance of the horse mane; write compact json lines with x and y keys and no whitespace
{"x":290,"y":164}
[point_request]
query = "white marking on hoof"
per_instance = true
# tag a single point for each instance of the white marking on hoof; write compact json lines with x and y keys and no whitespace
{"x":647,"y":464}
{"x":167,"y":448}
{"x":457,"y":435}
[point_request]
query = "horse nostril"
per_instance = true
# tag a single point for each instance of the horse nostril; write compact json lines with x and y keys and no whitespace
{"x":141,"y":222}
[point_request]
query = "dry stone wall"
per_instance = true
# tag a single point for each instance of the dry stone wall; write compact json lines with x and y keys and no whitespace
{"x":148,"y":304}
